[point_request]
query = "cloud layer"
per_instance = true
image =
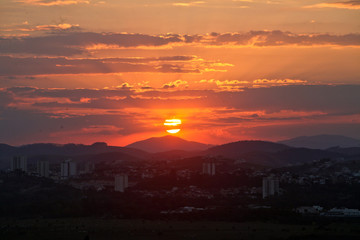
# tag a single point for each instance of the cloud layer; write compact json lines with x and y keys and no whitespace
{"x":354,"y":5}
{"x":73,"y":43}
{"x":48,"y":3}
{"x":78,"y":114}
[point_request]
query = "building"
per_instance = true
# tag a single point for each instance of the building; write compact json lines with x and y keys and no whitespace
{"x":270,"y":187}
{"x":121,"y":182}
{"x":68,"y":169}
{"x":89,"y":167}
{"x":208,"y":168}
{"x":43,"y":168}
{"x":18,"y":163}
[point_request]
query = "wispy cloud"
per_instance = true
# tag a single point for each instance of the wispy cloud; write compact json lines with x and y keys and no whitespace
{"x":188,"y":4}
{"x":61,"y":27}
{"x":52,"y":2}
{"x":355,"y":4}
{"x":61,"y":65}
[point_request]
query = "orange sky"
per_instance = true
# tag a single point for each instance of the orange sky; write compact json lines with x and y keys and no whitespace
{"x":84,"y":71}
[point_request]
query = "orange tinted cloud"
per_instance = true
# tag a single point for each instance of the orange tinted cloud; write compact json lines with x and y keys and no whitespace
{"x":48,"y":3}
{"x":278,"y":82}
{"x":51,"y":27}
{"x":188,"y":4}
{"x":61,"y":65}
{"x":72,"y":43}
{"x":342,"y":5}
{"x":63,"y":114}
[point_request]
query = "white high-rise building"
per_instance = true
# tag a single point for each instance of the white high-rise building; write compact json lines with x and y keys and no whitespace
{"x":68,"y":169}
{"x":121,"y":182}
{"x":208,"y":168}
{"x":18,"y":163}
{"x":270,"y":186}
{"x":43,"y":168}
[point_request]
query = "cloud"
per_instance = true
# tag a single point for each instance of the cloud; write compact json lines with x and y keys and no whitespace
{"x":60,"y":65}
{"x":71,"y":94}
{"x":188,"y":4}
{"x":324,"y":98}
{"x":286,"y":131}
{"x":355,"y":5}
{"x":175,"y":84}
{"x":5,"y":99}
{"x":48,"y":3}
{"x":226,"y":84}
{"x":241,"y":84}
{"x":278,"y":82}
{"x":76,"y":43}
{"x":280,"y":38}
{"x":19,"y":126}
{"x":55,"y":28}
{"x":29,"y":114}
{"x":68,"y":44}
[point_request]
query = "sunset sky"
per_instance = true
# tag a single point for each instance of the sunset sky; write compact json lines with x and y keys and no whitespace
{"x":85,"y":71}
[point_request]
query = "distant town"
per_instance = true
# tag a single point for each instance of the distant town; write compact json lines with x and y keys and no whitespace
{"x":183,"y":185}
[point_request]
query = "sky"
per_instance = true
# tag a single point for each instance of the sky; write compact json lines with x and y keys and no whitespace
{"x":85,"y":71}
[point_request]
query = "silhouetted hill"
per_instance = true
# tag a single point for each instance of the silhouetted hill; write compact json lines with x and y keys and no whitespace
{"x":174,"y":148}
{"x":237,"y":149}
{"x":269,"y":153}
{"x":324,"y":167}
{"x":290,"y":156}
{"x":108,"y":159}
{"x":73,"y":149}
{"x":322,"y":141}
{"x":4,"y":148}
{"x":303,"y":155}
{"x":174,"y":155}
{"x":55,"y":151}
{"x":352,"y":151}
{"x":168,"y":143}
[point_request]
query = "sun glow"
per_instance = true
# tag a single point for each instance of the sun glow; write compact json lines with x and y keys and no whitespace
{"x":172,"y":125}
{"x":173,"y":131}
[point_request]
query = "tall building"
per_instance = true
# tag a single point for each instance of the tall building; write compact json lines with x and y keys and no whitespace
{"x":68,"y":169}
{"x":43,"y":168}
{"x":121,"y":182}
{"x":270,"y":186}
{"x":18,"y":163}
{"x":208,"y":168}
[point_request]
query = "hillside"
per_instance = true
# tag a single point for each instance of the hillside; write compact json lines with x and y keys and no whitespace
{"x":322,"y":141}
{"x":167,"y":143}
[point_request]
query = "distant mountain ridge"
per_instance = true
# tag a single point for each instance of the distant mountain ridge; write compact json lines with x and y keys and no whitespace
{"x":236,"y":149}
{"x":174,"y":148}
{"x":168,"y":143}
{"x":64,"y":150}
{"x":322,"y":141}
{"x":269,"y":153}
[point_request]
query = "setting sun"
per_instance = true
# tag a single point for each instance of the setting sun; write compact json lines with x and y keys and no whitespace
{"x":172,"y":125}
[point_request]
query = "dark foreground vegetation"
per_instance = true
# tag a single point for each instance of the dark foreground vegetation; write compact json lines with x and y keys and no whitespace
{"x":99,"y":229}
{"x":39,"y":208}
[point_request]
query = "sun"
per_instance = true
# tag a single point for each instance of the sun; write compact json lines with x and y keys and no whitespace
{"x":172,"y":125}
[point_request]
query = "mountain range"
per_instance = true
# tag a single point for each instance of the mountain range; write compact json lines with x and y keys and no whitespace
{"x":172,"y":148}
{"x":322,"y":141}
{"x":168,"y":143}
